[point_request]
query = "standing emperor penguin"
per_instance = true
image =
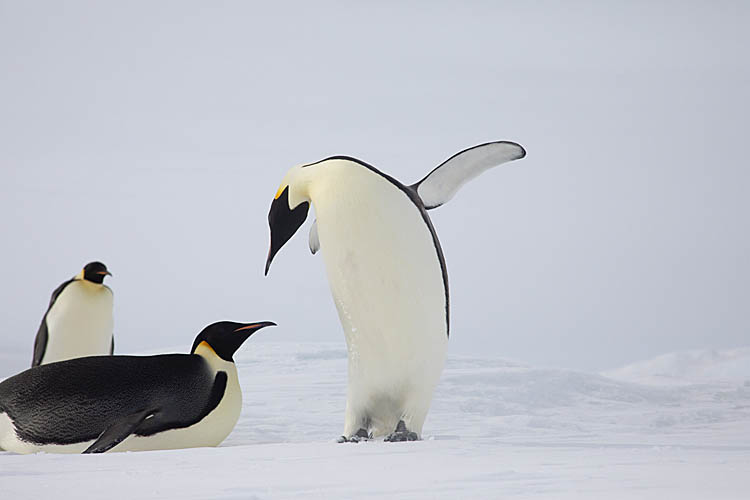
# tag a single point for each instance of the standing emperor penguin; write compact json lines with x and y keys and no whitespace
{"x":78,"y":321}
{"x":128,"y":403}
{"x":387,"y":276}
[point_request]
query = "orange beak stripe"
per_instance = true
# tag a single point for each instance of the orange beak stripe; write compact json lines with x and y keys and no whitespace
{"x":254,"y":325}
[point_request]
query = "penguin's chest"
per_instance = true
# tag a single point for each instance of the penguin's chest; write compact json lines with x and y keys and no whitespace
{"x":80,"y":322}
{"x":384,"y":271}
{"x":211,"y":430}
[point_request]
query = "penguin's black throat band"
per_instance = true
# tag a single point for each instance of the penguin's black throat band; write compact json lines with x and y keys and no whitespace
{"x":283,"y":222}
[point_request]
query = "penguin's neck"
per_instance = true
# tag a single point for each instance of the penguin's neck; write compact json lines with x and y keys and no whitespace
{"x":88,"y":285}
{"x":216,"y":363}
{"x":308,"y":182}
{"x":336,"y":184}
{"x":224,"y":417}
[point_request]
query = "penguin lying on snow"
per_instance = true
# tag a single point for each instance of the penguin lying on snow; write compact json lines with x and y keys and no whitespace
{"x":128,"y":403}
{"x":387,"y":276}
{"x":78,"y":321}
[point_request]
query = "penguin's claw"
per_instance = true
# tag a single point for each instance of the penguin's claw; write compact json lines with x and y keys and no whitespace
{"x":397,"y":437}
{"x":359,"y":436}
{"x":401,"y":434}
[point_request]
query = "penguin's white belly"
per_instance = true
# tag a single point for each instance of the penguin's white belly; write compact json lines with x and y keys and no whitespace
{"x":79,"y":323}
{"x":387,"y":284}
{"x":210,"y":431}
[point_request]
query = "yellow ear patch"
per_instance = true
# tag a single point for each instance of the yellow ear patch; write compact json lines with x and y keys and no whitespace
{"x":278,"y":193}
{"x":206,"y":348}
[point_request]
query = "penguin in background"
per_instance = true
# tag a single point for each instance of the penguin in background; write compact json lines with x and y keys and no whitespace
{"x":78,"y":321}
{"x":128,"y":403}
{"x":387,"y":275}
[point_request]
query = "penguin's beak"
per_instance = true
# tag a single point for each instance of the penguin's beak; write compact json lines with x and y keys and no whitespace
{"x":283,"y":222}
{"x":233,"y":341}
{"x":105,"y":273}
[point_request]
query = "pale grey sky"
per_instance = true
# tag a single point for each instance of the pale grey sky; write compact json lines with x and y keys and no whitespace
{"x":153,"y":136}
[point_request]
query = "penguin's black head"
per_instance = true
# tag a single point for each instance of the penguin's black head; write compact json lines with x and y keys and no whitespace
{"x":225,"y":337}
{"x":95,"y":272}
{"x":283,"y":222}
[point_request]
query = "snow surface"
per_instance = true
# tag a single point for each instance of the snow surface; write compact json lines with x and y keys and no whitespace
{"x":497,"y":429}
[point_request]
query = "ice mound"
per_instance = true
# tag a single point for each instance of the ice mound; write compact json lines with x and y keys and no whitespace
{"x":688,"y":367}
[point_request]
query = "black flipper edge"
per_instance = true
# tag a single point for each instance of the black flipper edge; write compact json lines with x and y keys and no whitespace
{"x":40,"y":342}
{"x":117,"y":433}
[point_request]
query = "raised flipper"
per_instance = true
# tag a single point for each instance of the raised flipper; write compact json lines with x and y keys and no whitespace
{"x":446,"y":179}
{"x":313,"y":240}
{"x":117,"y":433}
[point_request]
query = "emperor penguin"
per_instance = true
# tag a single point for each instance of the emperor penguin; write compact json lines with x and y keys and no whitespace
{"x":78,"y":321}
{"x":387,"y":276}
{"x":128,"y":403}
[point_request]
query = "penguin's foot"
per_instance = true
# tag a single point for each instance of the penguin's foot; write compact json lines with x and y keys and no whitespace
{"x":402,"y":434}
{"x":359,"y":436}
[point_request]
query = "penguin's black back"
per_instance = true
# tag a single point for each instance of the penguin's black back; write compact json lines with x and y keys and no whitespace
{"x":76,"y":400}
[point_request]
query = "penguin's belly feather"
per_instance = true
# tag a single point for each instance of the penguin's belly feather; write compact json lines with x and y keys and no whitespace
{"x":387,"y":284}
{"x":79,"y":323}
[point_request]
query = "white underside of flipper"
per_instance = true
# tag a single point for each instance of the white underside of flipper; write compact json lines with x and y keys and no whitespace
{"x":210,"y":431}
{"x":79,"y":323}
{"x":440,"y":185}
{"x":387,"y":285}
